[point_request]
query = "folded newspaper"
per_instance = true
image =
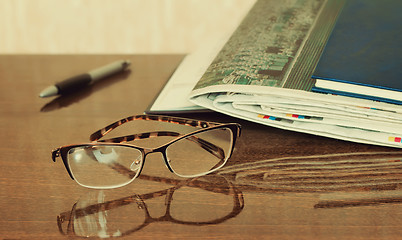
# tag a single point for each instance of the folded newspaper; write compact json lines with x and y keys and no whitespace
{"x":263,"y":74}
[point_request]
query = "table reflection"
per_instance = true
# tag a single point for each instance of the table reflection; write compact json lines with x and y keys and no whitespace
{"x":363,"y":171}
{"x":201,"y":201}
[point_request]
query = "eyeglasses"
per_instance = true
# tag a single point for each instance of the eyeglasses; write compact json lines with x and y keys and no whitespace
{"x":94,"y":215}
{"x":112,"y":163}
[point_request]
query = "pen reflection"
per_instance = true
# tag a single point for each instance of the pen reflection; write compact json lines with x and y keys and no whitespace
{"x":202,"y":201}
{"x":80,"y":94}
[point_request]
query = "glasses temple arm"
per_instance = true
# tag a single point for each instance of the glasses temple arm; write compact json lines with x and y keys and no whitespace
{"x":182,"y":121}
{"x":209,"y":147}
{"x":139,"y":136}
{"x":55,"y":154}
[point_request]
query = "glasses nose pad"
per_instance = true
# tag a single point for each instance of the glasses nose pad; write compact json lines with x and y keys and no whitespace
{"x":135,"y":166}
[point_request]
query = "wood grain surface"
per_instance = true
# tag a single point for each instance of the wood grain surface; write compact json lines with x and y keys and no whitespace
{"x":277,"y":185}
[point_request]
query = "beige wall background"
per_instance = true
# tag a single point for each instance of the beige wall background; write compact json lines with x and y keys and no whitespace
{"x":115,"y":26}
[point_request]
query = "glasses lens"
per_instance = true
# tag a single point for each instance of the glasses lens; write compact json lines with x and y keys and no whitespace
{"x":104,"y":166}
{"x":200,"y":153}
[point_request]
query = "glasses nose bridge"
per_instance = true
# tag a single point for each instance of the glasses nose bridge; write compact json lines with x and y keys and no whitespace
{"x":162,"y":151}
{"x":151,"y":150}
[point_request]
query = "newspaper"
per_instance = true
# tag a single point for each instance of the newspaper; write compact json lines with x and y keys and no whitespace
{"x":263,"y":74}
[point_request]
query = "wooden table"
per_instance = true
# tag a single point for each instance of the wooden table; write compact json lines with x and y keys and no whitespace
{"x":277,"y":185}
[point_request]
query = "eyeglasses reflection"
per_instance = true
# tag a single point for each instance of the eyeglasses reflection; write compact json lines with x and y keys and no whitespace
{"x":202,"y":201}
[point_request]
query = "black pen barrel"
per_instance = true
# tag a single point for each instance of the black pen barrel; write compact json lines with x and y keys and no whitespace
{"x":74,"y":83}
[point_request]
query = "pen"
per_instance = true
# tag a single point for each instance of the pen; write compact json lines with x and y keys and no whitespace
{"x":72,"y":84}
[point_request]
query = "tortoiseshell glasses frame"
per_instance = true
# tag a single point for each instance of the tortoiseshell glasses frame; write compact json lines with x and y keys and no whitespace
{"x":90,"y":163}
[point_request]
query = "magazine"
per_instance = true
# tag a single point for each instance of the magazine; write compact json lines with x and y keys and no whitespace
{"x":263,"y":74}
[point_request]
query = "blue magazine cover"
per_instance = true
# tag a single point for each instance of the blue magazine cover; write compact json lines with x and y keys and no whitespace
{"x":362,"y":57}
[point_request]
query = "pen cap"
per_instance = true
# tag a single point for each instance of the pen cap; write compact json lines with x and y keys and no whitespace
{"x":108,"y":70}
